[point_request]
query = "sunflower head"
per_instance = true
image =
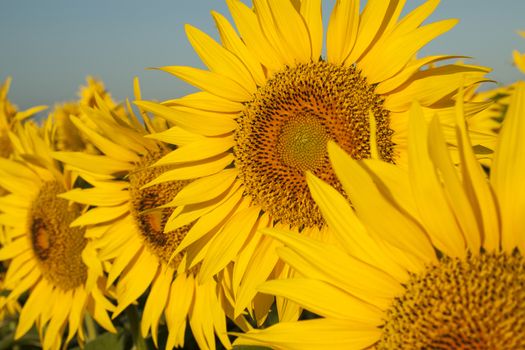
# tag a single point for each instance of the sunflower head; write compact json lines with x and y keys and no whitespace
{"x":284,"y":130}
{"x":50,"y":261}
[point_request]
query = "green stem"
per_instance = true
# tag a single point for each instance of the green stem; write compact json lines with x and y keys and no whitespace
{"x":91,"y":329}
{"x":134,"y":323}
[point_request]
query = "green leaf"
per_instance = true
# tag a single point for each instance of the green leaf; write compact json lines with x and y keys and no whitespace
{"x":106,"y":341}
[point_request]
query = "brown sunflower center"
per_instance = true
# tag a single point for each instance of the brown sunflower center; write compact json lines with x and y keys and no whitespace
{"x":151,"y":219}
{"x":283,"y":131}
{"x":477,"y":303}
{"x":57,"y":247}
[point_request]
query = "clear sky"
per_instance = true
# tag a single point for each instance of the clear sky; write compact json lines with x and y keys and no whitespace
{"x":48,"y":47}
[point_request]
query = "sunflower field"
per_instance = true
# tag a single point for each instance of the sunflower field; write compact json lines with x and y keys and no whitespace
{"x":324,"y":187}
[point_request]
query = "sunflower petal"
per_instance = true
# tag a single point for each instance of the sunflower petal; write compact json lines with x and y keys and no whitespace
{"x":508,"y":172}
{"x":200,"y":122}
{"x":232,"y":42}
{"x":219,"y":59}
{"x":227,"y":243}
{"x":324,"y":300}
{"x":212,"y":82}
{"x":342,"y":30}
{"x":250,"y":32}
{"x":313,"y":335}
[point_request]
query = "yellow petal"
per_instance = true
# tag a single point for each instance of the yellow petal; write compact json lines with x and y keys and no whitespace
{"x":317,"y":334}
{"x":176,"y":136}
{"x":292,"y":30}
{"x":90,"y":162}
{"x":60,"y":313}
{"x":407,"y":72}
{"x":395,"y":227}
{"x":260,"y":264}
{"x":507,"y":173}
{"x":192,"y":170}
{"x":250,"y":32}
{"x":326,"y":262}
{"x":100,"y":215}
{"x":209,"y":218}
{"x":519,"y":60}
{"x":14,"y":248}
{"x":431,"y":85}
{"x":177,"y":308}
{"x":106,"y":146}
{"x":202,"y":149}
{"x":128,"y":257}
{"x":269,"y":29}
{"x":383,"y":61}
{"x":136,"y":280}
{"x":232,"y":42}
{"x":155,"y":303}
{"x":369,"y":23}
{"x":200,"y":321}
{"x":200,"y":122}
{"x":218,"y":59}
{"x":207,"y":102}
{"x":342,"y":30}
{"x":206,"y":188}
{"x":96,"y":196}
{"x":435,"y":212}
{"x":457,"y":198}
{"x":214,"y":83}
{"x":311,"y":13}
{"x":33,"y":307}
{"x":77,"y":312}
{"x":325,"y":300}
{"x":228,"y":241}
{"x":342,"y":220}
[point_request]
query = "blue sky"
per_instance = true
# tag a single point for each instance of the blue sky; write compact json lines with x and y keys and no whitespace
{"x":48,"y":47}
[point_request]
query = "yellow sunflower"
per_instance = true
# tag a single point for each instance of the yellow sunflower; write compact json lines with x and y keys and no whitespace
{"x":129,"y":228}
{"x":269,"y":103}
{"x":442,"y":267}
{"x":67,"y":137}
{"x":54,"y":263}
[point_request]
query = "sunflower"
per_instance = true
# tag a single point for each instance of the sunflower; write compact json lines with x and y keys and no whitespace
{"x":47,"y":258}
{"x":67,"y":137}
{"x":129,"y":228}
{"x":442,"y":268}
{"x":270,"y":102}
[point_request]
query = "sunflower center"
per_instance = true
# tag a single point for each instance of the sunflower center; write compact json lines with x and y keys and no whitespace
{"x":477,"y":303}
{"x":302,"y":142}
{"x":150,"y":219}
{"x":284,"y":130}
{"x":57,"y":247}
